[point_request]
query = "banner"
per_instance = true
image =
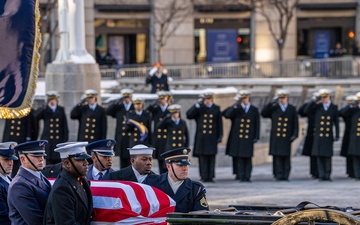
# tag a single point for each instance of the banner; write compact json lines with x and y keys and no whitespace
{"x":221,"y":45}
{"x":20,"y":40}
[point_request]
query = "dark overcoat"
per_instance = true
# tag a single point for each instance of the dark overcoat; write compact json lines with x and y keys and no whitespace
{"x":158,"y":83}
{"x":55,"y":129}
{"x":354,"y":134}
{"x":346,"y":137}
{"x":284,"y":128}
{"x":245,"y":129}
{"x":324,"y":121}
{"x":4,"y":208}
{"x":27,"y":198}
{"x":125,"y":174}
{"x":309,"y":138}
{"x":145,"y":119}
{"x":191,"y":195}
{"x":209,"y":129}
{"x":69,"y":201}
{"x":118,"y":111}
{"x":176,"y":135}
{"x":159,"y":135}
{"x":92,"y":123}
{"x":21,"y":129}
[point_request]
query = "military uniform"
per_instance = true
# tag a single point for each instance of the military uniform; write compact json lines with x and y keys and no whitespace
{"x":353,"y":146}
{"x":307,"y":146}
{"x":159,"y":82}
{"x":324,"y":121}
{"x":92,"y":123}
{"x":284,"y":129}
{"x":55,"y":130}
{"x":120,"y":111}
{"x":208,"y":134}
{"x":159,"y":135}
{"x":190,"y":195}
{"x":144,"y":119}
{"x":245,"y":130}
{"x":20,"y":130}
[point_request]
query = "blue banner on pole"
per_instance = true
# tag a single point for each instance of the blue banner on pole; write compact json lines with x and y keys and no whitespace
{"x":221,"y":45}
{"x":20,"y":40}
{"x":322,"y":43}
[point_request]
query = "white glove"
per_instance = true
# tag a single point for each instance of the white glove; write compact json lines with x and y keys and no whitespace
{"x":153,"y":71}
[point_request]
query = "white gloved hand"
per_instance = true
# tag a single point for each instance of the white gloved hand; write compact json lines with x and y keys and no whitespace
{"x":153,"y":71}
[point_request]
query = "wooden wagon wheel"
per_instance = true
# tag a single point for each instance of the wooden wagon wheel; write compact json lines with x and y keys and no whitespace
{"x":313,"y":215}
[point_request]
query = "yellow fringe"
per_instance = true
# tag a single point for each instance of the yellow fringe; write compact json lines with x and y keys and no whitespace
{"x":25,"y":107}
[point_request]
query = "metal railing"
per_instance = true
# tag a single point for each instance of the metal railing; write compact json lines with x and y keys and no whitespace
{"x":332,"y":67}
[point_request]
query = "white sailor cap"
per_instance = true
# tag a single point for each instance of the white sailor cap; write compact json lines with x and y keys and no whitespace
{"x":358,"y":95}
{"x":282,"y":93}
{"x":244,"y":93}
{"x":91,"y":93}
{"x":351,"y":98}
{"x":141,"y":150}
{"x":162,"y":94}
{"x":174,"y":108}
{"x":325,"y":92}
{"x":75,"y":150}
{"x":52,"y":95}
{"x":138,"y":100}
{"x":207,"y":95}
{"x":127,"y":92}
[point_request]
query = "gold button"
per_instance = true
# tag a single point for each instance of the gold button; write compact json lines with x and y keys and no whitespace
{"x":286,"y":119}
{"x":57,"y":119}
{"x":327,"y":123}
{"x":88,"y":119}
{"x":284,"y":130}
{"x":246,"y":131}
{"x":57,"y":131}
{"x":322,"y":117}
{"x":210,"y":132}
{"x":18,"y":128}
{"x":135,"y":139}
{"x":164,"y":136}
{"x":241,"y":125}
{"x":174,"y":138}
{"x":210,"y":121}
{"x":327,"y":135}
{"x":279,"y":124}
{"x":180,"y":145}
{"x":57,"y":125}
{"x":51,"y":120}
{"x":51,"y":137}
{"x":160,"y":119}
{"x":358,"y":134}
{"x":278,"y":134}
{"x":86,"y":130}
{"x":321,"y":135}
{"x":87,"y":125}
{"x":204,"y":126}
{"x":165,"y":130}
{"x":205,"y":115}
{"x":285,"y":124}
{"x":278,"y":129}
{"x":123,"y":122}
{"x":86,"y":136}
{"x":157,"y":85}
{"x":18,"y":134}
{"x":241,"y":130}
{"x":12,"y":121}
{"x":327,"y":129}
{"x":321,"y":128}
{"x":204,"y":121}
{"x":135,"y":134}
{"x":242,"y":120}
{"x":248,"y":120}
{"x":91,"y":137}
{"x":210,"y":126}
{"x":204,"y":131}
{"x":51,"y":131}
{"x":174,"y":131}
{"x":57,"y":137}
{"x":328,"y":117}
{"x":284,"y":135}
{"x":11,"y":133}
{"x":93,"y":131}
{"x":159,"y":136}
{"x":129,"y":134}
{"x":123,"y":128}
{"x":247,"y":126}
{"x":322,"y":122}
{"x":280,"y":118}
{"x":159,"y":130}
{"x":180,"y":138}
{"x":19,"y":122}
{"x":12,"y":127}
{"x":94,"y":120}
{"x":179,"y":131}
{"x":246,"y":136}
{"x":174,"y":145}
{"x":211,"y":115}
{"x":51,"y":125}
{"x":240,"y":136}
{"x":123,"y":134}
{"x":93,"y":125}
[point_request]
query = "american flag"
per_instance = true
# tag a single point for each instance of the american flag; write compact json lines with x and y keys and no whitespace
{"x":126,"y":202}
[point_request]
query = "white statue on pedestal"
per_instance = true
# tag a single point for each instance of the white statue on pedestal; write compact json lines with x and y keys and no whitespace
{"x":72,"y":33}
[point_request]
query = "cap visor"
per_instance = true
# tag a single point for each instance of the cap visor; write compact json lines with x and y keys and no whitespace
{"x":38,"y":154}
{"x":105,"y":153}
{"x":10,"y":157}
{"x":81,"y":157}
{"x":185,"y":163}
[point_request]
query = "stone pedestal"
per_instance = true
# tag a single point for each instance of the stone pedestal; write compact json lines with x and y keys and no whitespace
{"x":71,"y":80}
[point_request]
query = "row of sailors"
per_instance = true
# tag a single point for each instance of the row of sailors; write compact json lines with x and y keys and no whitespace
{"x":29,"y":197}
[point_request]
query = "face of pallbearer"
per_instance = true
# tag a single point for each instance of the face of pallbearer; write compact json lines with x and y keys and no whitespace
{"x":181,"y":171}
{"x":7,"y":165}
{"x":163,"y":101}
{"x":127,"y":99}
{"x":106,"y":161}
{"x":52,"y":102}
{"x":325,"y":99}
{"x":175,"y":115}
{"x":38,"y":161}
{"x":91,"y":100}
{"x":142,"y":163}
{"x":80,"y":164}
{"x":283,"y":100}
{"x":208,"y":101}
{"x":138,"y":107}
{"x":245,"y":100}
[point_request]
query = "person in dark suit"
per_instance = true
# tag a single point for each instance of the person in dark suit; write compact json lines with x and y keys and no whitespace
{"x":139,"y":124}
{"x":346,"y":114}
{"x":55,"y":128}
{"x":158,"y":111}
{"x":70,"y":200}
{"x":189,"y":195}
{"x":352,"y":113}
{"x":91,"y":116}
{"x":119,"y":110}
{"x":29,"y":190}
{"x":326,"y":116}
{"x":284,"y":130}
{"x":157,"y":79}
{"x":177,"y":134}
{"x":309,"y":138}
{"x":209,"y":132}
{"x":20,"y":130}
{"x":7,"y":157}
{"x":102,"y":155}
{"x":244,"y":132}
{"x":141,"y":165}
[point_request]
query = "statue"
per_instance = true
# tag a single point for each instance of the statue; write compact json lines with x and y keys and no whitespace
{"x":72,"y":33}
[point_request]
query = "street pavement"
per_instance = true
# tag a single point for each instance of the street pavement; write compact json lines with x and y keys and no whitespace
{"x":264,"y":190}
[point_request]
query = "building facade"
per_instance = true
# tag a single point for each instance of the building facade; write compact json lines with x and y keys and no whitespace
{"x":122,"y":32}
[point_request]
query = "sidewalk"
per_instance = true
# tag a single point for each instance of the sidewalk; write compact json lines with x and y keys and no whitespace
{"x":264,"y":190}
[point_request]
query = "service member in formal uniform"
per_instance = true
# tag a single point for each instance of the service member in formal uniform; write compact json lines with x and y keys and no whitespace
{"x":20,"y":130}
{"x":209,"y":132}
{"x":189,"y":195}
{"x":102,"y":155}
{"x":346,"y":114}
{"x":91,"y":116}
{"x":309,"y":138}
{"x":244,"y":132}
{"x":119,"y":110}
{"x":352,"y":112}
{"x":70,"y":200}
{"x":55,"y":128}
{"x":143,"y":117}
{"x":158,"y":111}
{"x":176,"y":135}
{"x":141,"y":165}
{"x":326,"y":116}
{"x":284,"y":130}
{"x":157,"y":79}
{"x":7,"y":157}
{"x":29,"y":190}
